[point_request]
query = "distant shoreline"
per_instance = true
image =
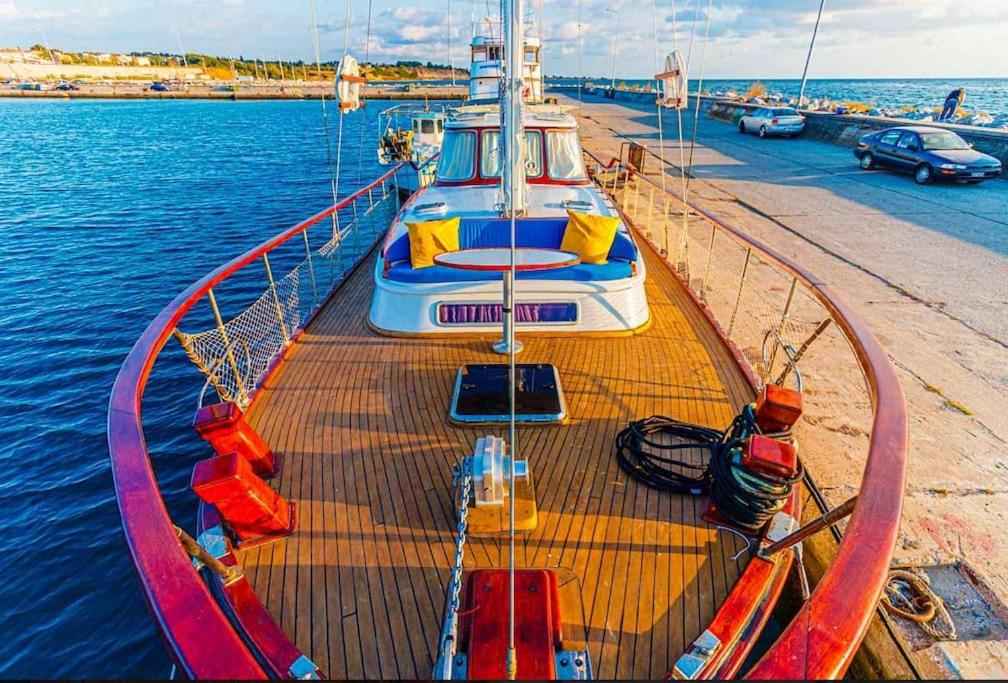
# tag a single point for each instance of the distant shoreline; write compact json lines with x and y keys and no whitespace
{"x":218,"y":91}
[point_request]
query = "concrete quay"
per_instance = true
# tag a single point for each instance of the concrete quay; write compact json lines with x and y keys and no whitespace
{"x":840,"y":129}
{"x":927,"y":269}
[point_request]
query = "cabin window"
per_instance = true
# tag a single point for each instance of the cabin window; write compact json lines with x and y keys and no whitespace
{"x":416,"y":126}
{"x":490,"y":154}
{"x":426,"y":126}
{"x":440,"y":125}
{"x":563,"y":154}
{"x":458,"y":156}
{"x":479,"y":54}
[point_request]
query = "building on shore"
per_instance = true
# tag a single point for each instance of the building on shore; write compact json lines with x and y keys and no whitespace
{"x":19,"y":56}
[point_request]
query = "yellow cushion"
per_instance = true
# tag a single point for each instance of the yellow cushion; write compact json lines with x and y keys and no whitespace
{"x":590,"y":236}
{"x":430,"y":238}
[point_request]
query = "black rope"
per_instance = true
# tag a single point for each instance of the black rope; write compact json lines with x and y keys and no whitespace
{"x":747,"y":498}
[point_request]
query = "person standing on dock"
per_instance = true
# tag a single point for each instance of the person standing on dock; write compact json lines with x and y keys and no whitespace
{"x":952,"y":102}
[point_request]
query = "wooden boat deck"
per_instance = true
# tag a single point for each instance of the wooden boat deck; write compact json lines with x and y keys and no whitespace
{"x":361,"y":420}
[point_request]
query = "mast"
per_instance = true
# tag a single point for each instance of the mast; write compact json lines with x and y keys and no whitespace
{"x":513,"y":181}
{"x":451,"y":62}
{"x":512,"y":133}
{"x":808,"y":58}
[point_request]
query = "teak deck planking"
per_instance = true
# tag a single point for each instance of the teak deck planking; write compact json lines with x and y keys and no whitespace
{"x":361,"y":420}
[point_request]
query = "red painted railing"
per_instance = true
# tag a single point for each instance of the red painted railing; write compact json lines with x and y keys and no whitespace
{"x":819,"y":642}
{"x":202,"y":640}
{"x":824,"y":636}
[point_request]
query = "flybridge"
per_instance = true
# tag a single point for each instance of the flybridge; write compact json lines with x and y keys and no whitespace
{"x":486,"y":67}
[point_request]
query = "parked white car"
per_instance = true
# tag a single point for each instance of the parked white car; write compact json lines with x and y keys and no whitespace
{"x":772,"y":121}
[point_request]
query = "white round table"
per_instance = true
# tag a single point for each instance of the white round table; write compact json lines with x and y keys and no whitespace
{"x":498,"y":259}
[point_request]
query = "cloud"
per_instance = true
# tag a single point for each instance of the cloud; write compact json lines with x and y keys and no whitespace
{"x":758,"y":38}
{"x":10,"y":12}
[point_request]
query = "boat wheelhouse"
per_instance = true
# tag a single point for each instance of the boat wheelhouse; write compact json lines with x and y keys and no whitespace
{"x":586,"y":297}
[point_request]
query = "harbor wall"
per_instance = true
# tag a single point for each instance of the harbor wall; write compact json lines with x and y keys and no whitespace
{"x":291,"y":91}
{"x":36,"y":72}
{"x":838,"y":129}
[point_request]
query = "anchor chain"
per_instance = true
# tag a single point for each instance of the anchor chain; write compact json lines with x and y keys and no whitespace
{"x":462,"y":478}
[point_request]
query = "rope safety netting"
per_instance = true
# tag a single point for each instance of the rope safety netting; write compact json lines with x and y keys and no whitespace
{"x":235,"y":354}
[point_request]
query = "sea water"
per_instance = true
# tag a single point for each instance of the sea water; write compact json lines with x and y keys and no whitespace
{"x":108,"y":209}
{"x":988,"y":95}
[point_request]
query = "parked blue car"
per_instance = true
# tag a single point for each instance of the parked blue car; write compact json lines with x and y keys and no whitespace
{"x":928,"y":153}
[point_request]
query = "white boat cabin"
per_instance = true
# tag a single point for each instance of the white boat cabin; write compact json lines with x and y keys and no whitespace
{"x":485,"y":68}
{"x":597,"y":297}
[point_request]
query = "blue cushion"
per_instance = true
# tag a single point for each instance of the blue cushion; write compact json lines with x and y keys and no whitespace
{"x":546,"y":233}
{"x":402,"y":271}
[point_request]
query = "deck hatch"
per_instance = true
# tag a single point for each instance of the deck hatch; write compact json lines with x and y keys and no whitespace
{"x":481,"y":394}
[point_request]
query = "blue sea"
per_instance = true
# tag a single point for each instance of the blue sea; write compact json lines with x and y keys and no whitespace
{"x":982,"y":94}
{"x":107,"y":210}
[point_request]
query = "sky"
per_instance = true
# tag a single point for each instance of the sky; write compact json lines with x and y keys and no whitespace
{"x":747,"y":38}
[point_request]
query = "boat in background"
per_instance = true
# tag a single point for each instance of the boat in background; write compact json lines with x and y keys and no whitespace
{"x":412,"y":134}
{"x":486,"y":51}
{"x":360,"y":516}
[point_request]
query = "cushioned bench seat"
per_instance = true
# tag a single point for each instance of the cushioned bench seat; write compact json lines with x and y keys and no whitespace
{"x":475,"y":233}
{"x":402,"y":271}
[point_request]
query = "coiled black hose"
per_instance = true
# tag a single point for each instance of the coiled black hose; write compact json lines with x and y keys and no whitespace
{"x":646,"y":461}
{"x":746,"y":497}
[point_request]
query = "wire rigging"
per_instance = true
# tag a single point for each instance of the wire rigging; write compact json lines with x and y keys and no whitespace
{"x":679,"y":121}
{"x":325,"y":116}
{"x":367,"y":57}
{"x":339,"y":134}
{"x":579,"y":76}
{"x":703,"y":64}
{"x":659,"y":94}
